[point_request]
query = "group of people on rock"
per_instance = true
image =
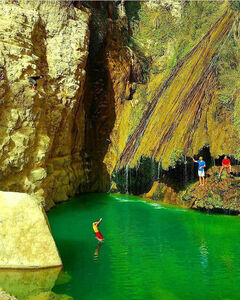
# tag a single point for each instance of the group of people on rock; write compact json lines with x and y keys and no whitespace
{"x":226,"y":165}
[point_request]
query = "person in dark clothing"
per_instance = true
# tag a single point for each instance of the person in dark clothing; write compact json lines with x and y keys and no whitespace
{"x":33,"y":81}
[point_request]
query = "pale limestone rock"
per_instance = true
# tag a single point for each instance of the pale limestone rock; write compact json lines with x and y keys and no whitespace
{"x":38,"y":127}
{"x":25,"y":237}
{"x":38,"y":174}
{"x":5,"y":296}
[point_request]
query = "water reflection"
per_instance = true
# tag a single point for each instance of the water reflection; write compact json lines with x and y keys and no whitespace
{"x":203,"y":254}
{"x":96,"y":253}
{"x":25,"y":283}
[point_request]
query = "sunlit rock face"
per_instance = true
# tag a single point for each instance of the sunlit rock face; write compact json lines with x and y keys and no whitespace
{"x":180,"y":115}
{"x":26,"y":240}
{"x":42,"y":130}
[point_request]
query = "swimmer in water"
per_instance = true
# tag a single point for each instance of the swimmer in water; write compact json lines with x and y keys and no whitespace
{"x":96,"y":230}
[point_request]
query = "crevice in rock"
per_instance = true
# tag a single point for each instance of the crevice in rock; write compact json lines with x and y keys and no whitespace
{"x":99,"y":102}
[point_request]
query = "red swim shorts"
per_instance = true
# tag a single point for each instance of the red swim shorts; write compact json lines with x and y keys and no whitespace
{"x":99,"y":236}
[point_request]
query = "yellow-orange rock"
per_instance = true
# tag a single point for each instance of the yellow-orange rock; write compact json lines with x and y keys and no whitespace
{"x":42,"y":130}
{"x":181,"y":115}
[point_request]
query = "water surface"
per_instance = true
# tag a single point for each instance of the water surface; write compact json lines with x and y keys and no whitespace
{"x":150,"y":251}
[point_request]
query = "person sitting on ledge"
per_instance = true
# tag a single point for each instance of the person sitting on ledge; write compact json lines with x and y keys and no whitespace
{"x":33,"y":81}
{"x":201,"y":173}
{"x":96,"y":230}
{"x":226,"y":164}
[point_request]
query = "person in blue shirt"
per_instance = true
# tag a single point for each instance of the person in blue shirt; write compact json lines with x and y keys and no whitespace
{"x":201,"y":173}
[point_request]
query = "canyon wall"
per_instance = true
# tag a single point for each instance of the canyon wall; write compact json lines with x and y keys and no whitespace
{"x":42,"y":131}
{"x":181,"y":112}
{"x":121,"y":81}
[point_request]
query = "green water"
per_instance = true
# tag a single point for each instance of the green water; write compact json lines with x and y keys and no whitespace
{"x":150,"y":251}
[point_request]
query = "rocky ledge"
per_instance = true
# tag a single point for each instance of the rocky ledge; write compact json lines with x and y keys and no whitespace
{"x":220,"y":194}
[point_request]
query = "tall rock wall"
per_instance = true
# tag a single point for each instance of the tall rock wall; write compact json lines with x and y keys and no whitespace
{"x":146,"y":81}
{"x":176,"y":112}
{"x":42,"y":130}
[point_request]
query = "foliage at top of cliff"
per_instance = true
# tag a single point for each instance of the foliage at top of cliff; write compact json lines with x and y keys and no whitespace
{"x":167,"y":32}
{"x":235,"y":5}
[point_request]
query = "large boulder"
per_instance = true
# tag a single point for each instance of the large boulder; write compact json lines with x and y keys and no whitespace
{"x":25,"y":237}
{"x":161,"y":192}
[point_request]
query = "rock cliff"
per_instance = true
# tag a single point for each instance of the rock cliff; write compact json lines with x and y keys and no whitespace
{"x":184,"y":106}
{"x":180,"y":115}
{"x":42,"y":130}
{"x":122,"y":82}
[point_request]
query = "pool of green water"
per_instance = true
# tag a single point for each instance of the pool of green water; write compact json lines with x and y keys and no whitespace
{"x":150,"y":251}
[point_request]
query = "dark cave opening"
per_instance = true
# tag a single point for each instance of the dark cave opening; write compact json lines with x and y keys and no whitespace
{"x":139,"y":180}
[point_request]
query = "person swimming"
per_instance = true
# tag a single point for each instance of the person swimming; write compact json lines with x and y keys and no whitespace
{"x":96,"y":230}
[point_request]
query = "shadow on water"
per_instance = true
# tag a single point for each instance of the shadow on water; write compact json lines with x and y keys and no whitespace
{"x":25,"y":283}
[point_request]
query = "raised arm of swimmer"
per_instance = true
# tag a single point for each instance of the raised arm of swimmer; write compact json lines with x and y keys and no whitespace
{"x":98,"y":222}
{"x":96,"y":230}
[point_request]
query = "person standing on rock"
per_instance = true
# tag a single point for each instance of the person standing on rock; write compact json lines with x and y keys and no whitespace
{"x":201,"y":173}
{"x":96,"y":230}
{"x":226,"y":164}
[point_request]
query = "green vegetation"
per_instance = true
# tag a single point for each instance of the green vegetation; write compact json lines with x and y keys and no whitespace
{"x":228,"y":68}
{"x":165,"y":35}
{"x":235,"y":5}
{"x":137,"y":180}
{"x":229,"y":76}
{"x":176,"y":156}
